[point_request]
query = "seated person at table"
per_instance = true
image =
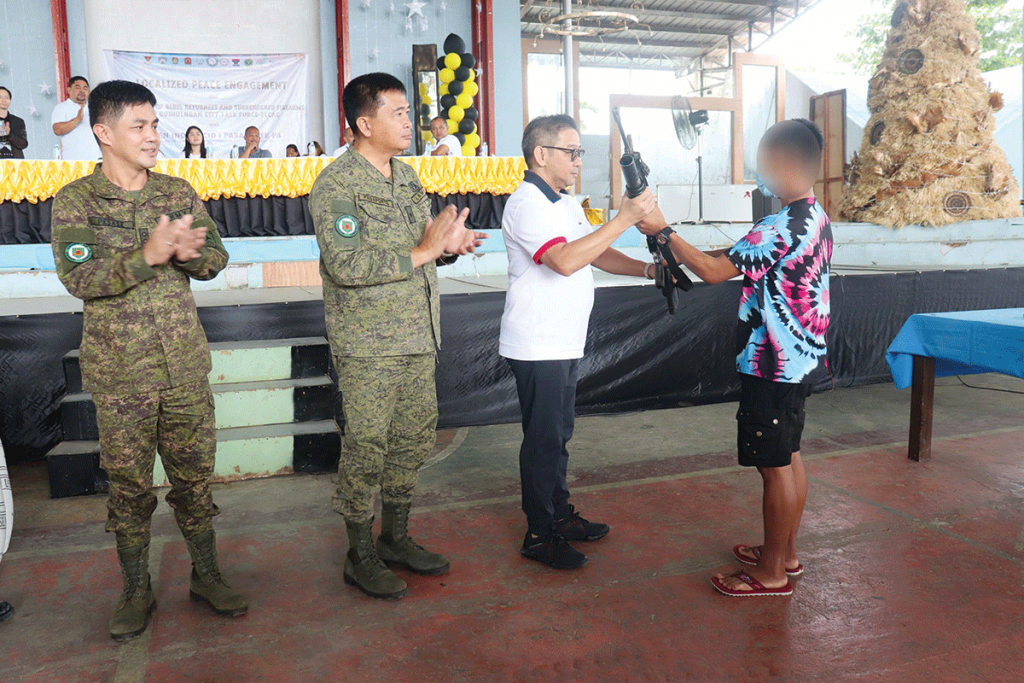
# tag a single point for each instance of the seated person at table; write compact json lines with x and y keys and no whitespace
{"x":349,"y":136}
{"x":783,"y":321}
{"x":318,"y":151}
{"x":195,"y":143}
{"x":445,"y":144}
{"x":291,"y":150}
{"x":13,"y":139}
{"x":251,"y":148}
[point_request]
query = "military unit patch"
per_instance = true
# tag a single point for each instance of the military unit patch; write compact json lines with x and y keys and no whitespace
{"x":78,"y":253}
{"x":346,"y":226}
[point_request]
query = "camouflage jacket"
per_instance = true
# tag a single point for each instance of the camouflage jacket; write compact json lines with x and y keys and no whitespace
{"x":375,"y":303}
{"x":141,"y":331}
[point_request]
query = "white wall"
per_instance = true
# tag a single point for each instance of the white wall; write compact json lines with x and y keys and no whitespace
{"x":202,"y":26}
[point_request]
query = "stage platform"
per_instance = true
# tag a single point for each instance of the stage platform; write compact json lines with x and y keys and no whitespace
{"x":913,"y":570}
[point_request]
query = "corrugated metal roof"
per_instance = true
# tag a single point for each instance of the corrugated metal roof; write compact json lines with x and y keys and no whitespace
{"x":670,"y":34}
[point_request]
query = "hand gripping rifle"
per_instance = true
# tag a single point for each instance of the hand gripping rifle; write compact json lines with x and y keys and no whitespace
{"x":668,"y":276}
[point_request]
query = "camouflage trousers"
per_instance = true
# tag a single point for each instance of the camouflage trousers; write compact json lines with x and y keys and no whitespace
{"x":177,"y":422}
{"x":390,"y":407}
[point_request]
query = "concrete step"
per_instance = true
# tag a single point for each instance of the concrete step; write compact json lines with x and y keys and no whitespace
{"x":245,"y":361}
{"x":242,"y":453}
{"x":240,"y":404}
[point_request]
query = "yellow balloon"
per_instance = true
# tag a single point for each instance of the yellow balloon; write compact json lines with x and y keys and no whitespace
{"x":470,"y":89}
{"x":427,"y":100}
{"x":428,"y":136}
{"x":472,"y":76}
{"x":452,"y":60}
{"x":443,"y":88}
{"x":447,"y":75}
{"x":464,"y":101}
{"x":472,"y":140}
{"x":456,"y":114}
{"x":423,"y":89}
{"x":468,"y":151}
{"x":453,"y":126}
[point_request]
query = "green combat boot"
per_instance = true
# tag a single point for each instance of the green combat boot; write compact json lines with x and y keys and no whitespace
{"x":131,"y":617}
{"x":363,"y":568}
{"x":395,"y":546}
{"x":207,"y":583}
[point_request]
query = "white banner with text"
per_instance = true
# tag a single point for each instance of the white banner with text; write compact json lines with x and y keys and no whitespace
{"x":222,"y":95}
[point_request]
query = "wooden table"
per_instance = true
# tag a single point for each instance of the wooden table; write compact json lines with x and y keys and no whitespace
{"x":934,"y":345}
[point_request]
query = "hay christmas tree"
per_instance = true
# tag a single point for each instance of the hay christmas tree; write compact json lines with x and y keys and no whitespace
{"x":929,"y":154}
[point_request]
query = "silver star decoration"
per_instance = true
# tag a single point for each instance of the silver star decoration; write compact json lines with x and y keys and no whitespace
{"x":442,"y":7}
{"x":408,"y":24}
{"x":365,"y":4}
{"x":415,"y":8}
{"x":44,"y":89}
{"x":423,"y":24}
{"x":374,"y":53}
{"x":391,"y":8}
{"x":479,"y":72}
{"x":32,"y":110}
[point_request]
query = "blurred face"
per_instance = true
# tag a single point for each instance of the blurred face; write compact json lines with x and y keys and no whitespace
{"x":194,"y":137}
{"x":349,"y":137}
{"x":133,"y":139}
{"x":79,"y":92}
{"x":291,"y":151}
{"x":438,"y":128}
{"x":783,"y":172}
{"x":558,"y":165}
{"x":389,"y":129}
{"x":5,"y":99}
{"x":252,"y":137}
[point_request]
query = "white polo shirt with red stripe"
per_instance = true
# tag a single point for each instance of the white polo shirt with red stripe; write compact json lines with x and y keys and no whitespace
{"x":546,"y":314}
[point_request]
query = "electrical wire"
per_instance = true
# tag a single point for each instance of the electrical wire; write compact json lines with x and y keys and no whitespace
{"x":974,"y":386}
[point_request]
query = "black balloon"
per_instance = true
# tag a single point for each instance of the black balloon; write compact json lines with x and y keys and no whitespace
{"x":440,"y":62}
{"x":424,"y":110}
{"x":444,"y":113}
{"x":466,"y":126}
{"x":468,"y":60}
{"x":461,"y":138}
{"x":471,"y":114}
{"x":456,"y":87}
{"x":461,"y":74}
{"x":447,"y":101}
{"x":454,"y":44}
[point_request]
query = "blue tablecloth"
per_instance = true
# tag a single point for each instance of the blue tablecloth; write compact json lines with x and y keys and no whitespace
{"x":965,"y":343}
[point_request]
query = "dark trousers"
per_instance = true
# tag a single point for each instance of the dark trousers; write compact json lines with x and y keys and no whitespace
{"x":547,"y":397}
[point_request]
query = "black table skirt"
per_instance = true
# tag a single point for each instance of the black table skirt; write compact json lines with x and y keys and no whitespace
{"x":25,"y":223}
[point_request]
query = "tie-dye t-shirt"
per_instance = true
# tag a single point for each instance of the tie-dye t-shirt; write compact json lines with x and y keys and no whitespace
{"x":784,"y":309}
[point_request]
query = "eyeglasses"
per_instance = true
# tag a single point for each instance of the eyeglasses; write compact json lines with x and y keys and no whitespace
{"x":574,"y":152}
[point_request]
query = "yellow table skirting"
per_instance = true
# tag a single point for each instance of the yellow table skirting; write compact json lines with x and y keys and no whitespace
{"x":35,"y":181}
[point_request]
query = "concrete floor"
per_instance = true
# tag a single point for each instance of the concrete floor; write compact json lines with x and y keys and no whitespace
{"x":914,"y":571}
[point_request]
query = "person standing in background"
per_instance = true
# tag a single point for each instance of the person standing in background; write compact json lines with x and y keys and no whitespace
{"x":13,"y":138}
{"x":195,"y":143}
{"x":251,"y":148}
{"x":71,"y":125}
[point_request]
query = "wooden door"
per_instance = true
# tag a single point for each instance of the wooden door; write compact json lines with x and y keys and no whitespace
{"x":829,"y":112}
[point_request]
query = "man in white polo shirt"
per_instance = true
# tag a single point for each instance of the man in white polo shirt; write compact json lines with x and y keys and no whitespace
{"x":544,"y":327}
{"x":445,"y":144}
{"x":71,"y":124}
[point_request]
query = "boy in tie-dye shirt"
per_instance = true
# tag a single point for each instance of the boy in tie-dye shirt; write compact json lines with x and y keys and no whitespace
{"x":783,"y":323}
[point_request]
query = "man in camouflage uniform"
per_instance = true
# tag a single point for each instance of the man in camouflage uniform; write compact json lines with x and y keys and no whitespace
{"x":378,"y":247}
{"x":126,"y":241}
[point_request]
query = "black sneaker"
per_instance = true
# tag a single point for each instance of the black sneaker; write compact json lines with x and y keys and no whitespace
{"x":6,"y":611}
{"x":554,"y":552}
{"x":575,"y":528}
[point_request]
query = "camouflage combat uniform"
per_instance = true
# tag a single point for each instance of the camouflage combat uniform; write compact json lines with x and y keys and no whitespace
{"x":383,"y":322}
{"x":144,"y":354}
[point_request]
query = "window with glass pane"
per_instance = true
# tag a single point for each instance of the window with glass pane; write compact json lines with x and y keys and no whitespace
{"x":760,"y":90}
{"x":545,"y":82}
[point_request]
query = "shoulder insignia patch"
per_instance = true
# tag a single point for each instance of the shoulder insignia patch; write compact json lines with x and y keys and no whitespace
{"x":77,"y":252}
{"x":346,"y":226}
